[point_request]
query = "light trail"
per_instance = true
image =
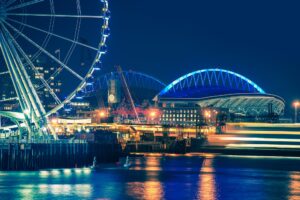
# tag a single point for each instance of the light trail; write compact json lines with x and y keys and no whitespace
{"x":253,"y":146}
{"x":251,"y":132}
{"x":255,"y":139}
{"x":245,"y":124}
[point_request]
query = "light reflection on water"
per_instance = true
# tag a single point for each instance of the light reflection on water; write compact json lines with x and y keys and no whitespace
{"x":294,"y":186}
{"x":151,"y":188}
{"x":204,"y":177}
{"x":147,"y":190}
{"x":207,"y":187}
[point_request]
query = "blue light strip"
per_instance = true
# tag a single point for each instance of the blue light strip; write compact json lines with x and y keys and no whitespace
{"x":170,"y":86}
{"x":134,"y":75}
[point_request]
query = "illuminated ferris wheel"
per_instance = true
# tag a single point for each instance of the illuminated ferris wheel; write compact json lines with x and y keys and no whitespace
{"x":50,"y":51}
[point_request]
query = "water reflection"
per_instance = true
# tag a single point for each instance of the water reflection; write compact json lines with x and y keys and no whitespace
{"x":148,"y":190}
{"x":152,"y":187}
{"x":153,"y":190}
{"x":57,"y":183}
{"x":294,"y":186}
{"x":207,"y":185}
{"x":170,"y":177}
{"x":25,"y":191}
{"x":80,"y":190}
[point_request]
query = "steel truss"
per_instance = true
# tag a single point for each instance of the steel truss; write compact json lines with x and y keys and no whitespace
{"x":213,"y":78}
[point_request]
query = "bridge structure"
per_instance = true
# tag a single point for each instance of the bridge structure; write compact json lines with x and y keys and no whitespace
{"x":222,"y":88}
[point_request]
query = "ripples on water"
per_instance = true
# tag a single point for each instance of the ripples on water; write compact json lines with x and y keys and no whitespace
{"x":206,"y":177}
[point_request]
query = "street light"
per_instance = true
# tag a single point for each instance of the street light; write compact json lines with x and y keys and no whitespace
{"x":296,"y":104}
{"x":102,"y":114}
{"x":153,"y":114}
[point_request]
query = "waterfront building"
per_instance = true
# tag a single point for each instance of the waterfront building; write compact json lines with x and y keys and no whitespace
{"x":180,"y":114}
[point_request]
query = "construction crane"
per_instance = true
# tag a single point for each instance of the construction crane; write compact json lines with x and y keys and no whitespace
{"x":127,"y":93}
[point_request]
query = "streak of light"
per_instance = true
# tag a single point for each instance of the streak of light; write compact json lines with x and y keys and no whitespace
{"x":277,"y":146}
{"x":255,"y":139}
{"x":265,"y":132}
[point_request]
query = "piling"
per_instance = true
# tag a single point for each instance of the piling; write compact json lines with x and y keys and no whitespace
{"x":35,"y":156}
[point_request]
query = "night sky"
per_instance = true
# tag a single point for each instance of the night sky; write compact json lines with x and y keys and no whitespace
{"x":169,"y":38}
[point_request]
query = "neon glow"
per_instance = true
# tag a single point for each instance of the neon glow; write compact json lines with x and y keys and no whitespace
{"x":170,"y":86}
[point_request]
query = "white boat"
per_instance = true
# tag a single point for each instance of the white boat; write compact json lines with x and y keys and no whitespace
{"x":94,"y":163}
{"x":127,"y":163}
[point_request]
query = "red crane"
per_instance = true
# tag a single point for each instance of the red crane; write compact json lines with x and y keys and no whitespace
{"x":127,"y":93}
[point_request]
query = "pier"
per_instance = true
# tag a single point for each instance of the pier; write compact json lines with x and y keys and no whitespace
{"x":55,"y":154}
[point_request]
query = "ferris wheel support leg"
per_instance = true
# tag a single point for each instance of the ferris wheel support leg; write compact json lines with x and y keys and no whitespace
{"x":29,"y":101}
{"x":15,"y":82}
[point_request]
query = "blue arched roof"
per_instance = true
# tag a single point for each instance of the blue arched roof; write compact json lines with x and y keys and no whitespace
{"x":133,"y":78}
{"x":210,"y":82}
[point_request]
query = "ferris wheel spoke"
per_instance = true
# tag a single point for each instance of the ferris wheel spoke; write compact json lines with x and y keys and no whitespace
{"x":55,"y":15}
{"x":3,"y":73}
{"x":55,"y":35}
{"x":45,"y":51}
{"x":22,"y":5}
{"x":9,"y":99}
{"x":55,"y":97}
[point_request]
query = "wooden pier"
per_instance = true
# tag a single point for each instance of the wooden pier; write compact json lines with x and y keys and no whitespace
{"x":58,"y":154}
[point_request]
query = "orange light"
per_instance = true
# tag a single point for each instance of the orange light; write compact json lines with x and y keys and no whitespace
{"x":153,"y":114}
{"x":102,"y":114}
{"x":54,"y":121}
{"x":207,"y":114}
{"x":296,"y":104}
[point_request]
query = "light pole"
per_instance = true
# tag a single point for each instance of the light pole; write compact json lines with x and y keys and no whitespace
{"x":296,"y":104}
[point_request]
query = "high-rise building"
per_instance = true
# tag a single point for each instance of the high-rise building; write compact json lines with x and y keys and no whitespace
{"x":44,"y":69}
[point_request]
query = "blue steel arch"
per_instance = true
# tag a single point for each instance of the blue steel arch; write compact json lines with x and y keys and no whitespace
{"x":133,"y":78}
{"x":212,"y":78}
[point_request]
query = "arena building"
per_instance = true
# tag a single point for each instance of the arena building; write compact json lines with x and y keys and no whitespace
{"x":221,"y":91}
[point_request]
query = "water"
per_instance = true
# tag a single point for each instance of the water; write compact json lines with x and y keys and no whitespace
{"x":205,"y":177}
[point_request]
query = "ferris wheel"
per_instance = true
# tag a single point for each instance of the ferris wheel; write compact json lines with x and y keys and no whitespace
{"x":50,"y":51}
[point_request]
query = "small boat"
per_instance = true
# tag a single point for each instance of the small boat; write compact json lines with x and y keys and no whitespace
{"x":127,"y":163}
{"x":94,"y":163}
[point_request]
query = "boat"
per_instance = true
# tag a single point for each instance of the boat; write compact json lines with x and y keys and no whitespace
{"x":94,"y":163}
{"x":127,"y":163}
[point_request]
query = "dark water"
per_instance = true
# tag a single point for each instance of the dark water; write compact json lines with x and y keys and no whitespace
{"x":205,"y":177}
